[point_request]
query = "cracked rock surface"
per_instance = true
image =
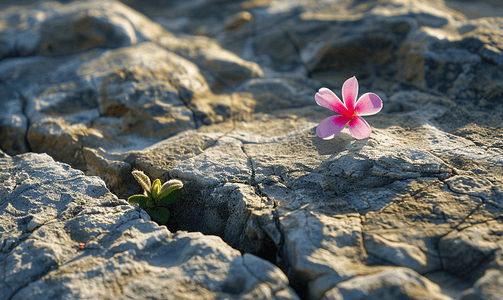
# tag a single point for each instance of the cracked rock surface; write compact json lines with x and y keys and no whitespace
{"x":220,"y":95}
{"x":48,"y":209}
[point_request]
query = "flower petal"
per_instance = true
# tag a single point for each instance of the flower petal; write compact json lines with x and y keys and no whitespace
{"x":326,"y":98}
{"x":359,"y":128}
{"x":350,"y":92}
{"x":331,"y":126}
{"x":368,"y":104}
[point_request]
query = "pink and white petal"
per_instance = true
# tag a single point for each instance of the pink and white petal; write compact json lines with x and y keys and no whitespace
{"x":326,"y":98}
{"x":359,"y":128}
{"x":349,"y":93}
{"x":368,"y":104}
{"x":331,"y":126}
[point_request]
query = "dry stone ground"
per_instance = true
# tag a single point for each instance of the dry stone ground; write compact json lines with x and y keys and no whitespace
{"x":220,"y":95}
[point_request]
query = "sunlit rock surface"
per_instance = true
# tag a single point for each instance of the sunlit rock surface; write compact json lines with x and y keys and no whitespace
{"x":220,"y":95}
{"x":64,"y":235}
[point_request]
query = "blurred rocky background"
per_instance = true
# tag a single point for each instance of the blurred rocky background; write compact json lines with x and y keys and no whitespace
{"x":220,"y":94}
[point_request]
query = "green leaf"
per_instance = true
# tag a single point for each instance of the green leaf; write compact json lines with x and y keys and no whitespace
{"x":159,"y":215}
{"x":156,"y":187}
{"x":170,"y":198}
{"x":171,"y":184}
{"x":150,"y":203}
{"x":142,"y":179}
{"x":140,"y":199}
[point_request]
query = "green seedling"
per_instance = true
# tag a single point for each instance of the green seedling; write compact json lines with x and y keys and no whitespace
{"x":156,"y":197}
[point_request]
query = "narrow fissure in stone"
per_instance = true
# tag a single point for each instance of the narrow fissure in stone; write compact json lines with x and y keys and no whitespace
{"x":182,"y":214}
{"x":439,"y":77}
{"x":25,"y":104}
{"x":268,"y":251}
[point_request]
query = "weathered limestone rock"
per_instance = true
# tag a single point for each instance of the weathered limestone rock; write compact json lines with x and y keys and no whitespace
{"x":395,"y":283}
{"x":487,"y":287}
{"x":56,"y":29}
{"x":220,"y":95}
{"x":47,"y":210}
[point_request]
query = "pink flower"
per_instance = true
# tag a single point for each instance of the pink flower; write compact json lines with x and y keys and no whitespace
{"x":351,"y":111}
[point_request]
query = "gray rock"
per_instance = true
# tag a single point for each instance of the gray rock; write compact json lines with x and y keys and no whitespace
{"x":220,"y":95}
{"x":392,"y":283}
{"x":465,"y":249}
{"x":48,"y":209}
{"x":487,"y":287}
{"x":55,"y":29}
{"x":14,"y":123}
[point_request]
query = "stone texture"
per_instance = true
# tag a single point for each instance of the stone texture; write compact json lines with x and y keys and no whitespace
{"x":397,"y":283}
{"x":48,"y":209}
{"x":220,"y":95}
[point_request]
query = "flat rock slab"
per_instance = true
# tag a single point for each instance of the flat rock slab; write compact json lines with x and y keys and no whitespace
{"x":220,"y":95}
{"x":65,"y":235}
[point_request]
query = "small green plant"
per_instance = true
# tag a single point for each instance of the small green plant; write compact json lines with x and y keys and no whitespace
{"x":156,"y":197}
